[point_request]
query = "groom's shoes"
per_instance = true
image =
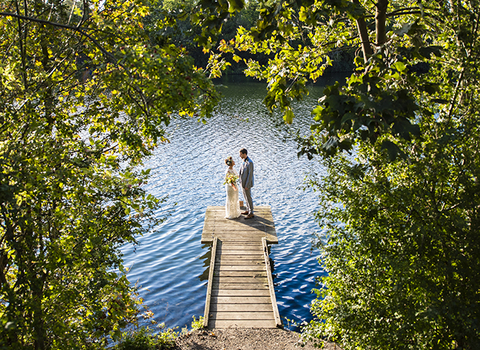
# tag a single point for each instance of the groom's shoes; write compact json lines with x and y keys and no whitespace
{"x":249,"y":216}
{"x":244,"y":212}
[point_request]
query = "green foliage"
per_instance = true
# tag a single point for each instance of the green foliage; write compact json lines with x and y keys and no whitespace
{"x":84,"y":97}
{"x":211,"y":15}
{"x":197,"y":324}
{"x":403,"y":250}
{"x":402,"y":215}
{"x":144,"y":339}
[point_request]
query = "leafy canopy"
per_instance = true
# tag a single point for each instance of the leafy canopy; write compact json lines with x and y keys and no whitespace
{"x":85,"y":93}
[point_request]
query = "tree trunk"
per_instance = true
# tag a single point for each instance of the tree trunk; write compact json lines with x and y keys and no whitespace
{"x":363,"y":32}
{"x":380,"y":19}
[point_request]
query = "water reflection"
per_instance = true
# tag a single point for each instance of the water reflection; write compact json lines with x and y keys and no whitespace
{"x":206,"y":262}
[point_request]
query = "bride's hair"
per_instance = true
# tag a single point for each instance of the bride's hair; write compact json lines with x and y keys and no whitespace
{"x":229,"y":161}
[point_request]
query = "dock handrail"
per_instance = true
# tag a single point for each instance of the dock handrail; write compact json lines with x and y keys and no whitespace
{"x":210,"y":282}
{"x":276,"y":314}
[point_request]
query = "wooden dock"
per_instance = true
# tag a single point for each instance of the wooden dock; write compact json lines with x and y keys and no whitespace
{"x":240,"y":290}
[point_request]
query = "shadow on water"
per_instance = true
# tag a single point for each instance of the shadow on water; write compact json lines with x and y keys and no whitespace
{"x":206,"y":258}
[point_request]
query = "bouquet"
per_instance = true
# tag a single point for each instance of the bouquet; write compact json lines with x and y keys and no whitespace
{"x":231,"y":179}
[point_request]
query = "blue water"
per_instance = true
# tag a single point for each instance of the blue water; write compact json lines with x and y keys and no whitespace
{"x":170,"y":264}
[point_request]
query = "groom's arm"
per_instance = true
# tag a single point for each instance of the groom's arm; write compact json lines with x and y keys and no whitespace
{"x":249,"y":176}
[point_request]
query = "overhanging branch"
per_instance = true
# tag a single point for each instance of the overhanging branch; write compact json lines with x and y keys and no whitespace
{"x":60,"y":25}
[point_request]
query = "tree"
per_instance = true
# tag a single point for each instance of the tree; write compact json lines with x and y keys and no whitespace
{"x":402,"y":250}
{"x":84,"y":97}
{"x":401,"y":210}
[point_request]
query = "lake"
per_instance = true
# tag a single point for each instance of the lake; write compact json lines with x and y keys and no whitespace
{"x":170,"y":264}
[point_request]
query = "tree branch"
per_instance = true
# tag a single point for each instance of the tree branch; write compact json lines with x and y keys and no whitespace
{"x":60,"y":25}
{"x":404,"y":11}
{"x":380,"y":19}
{"x":363,"y":32}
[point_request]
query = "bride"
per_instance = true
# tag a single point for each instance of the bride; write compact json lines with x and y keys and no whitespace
{"x":232,"y":206}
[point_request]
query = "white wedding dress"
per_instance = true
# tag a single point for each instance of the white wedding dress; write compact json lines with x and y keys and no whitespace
{"x":232,"y":206}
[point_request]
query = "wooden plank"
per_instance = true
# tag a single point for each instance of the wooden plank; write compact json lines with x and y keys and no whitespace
{"x":257,"y":221}
{"x":241,"y":300}
{"x":271,"y":239}
{"x":215,"y":228}
{"x":240,"y":257}
{"x":220,"y":211}
{"x":246,"y":231}
{"x":228,"y":226}
{"x":241,"y":252}
{"x":253,"y":267}
{"x":254,"y":247}
{"x":259,"y":215}
{"x":240,"y":273}
{"x":234,"y":259}
{"x":244,"y":246}
{"x":240,"y":262}
{"x":239,"y":286}
{"x":238,"y":235}
{"x":215,"y":224}
{"x":252,"y":234}
{"x":221,"y":208}
{"x":251,"y":274}
{"x":243,"y":292}
{"x":239,"y":265}
{"x":243,"y":280}
{"x":243,"y":262}
{"x":242,"y":324}
{"x":247,"y":243}
{"x":225,"y":228}
{"x":239,"y":268}
{"x":220,"y":214}
{"x":233,"y":236}
{"x":252,"y":315}
{"x":247,"y":253}
{"x":235,"y":256}
{"x":240,"y":307}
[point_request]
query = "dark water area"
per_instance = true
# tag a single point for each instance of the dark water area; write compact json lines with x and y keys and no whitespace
{"x":170,"y":264}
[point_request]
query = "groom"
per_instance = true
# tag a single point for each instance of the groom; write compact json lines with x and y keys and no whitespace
{"x":246,"y":180}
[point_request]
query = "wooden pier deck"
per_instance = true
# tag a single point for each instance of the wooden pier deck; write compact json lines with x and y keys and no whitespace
{"x":240,"y":287}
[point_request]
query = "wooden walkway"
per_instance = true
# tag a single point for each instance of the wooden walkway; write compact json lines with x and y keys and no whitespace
{"x":240,"y":287}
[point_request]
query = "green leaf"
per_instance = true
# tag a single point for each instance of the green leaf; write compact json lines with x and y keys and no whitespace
{"x":288,"y":117}
{"x":392,"y":149}
{"x":400,"y":66}
{"x":235,"y":5}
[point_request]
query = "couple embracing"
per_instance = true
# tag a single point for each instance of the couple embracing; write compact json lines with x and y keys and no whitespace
{"x":245,"y":175}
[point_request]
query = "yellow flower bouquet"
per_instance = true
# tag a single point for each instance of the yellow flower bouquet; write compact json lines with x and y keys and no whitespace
{"x":231,"y":179}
